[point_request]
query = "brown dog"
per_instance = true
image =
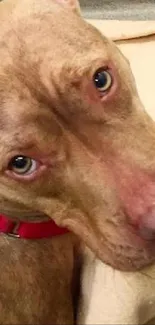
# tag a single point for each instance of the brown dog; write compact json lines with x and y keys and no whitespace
{"x":76,"y":146}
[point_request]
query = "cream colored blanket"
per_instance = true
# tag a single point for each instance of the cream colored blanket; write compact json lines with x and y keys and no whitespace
{"x":110,"y":296}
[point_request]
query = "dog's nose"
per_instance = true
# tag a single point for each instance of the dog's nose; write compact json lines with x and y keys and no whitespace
{"x":147,"y":225}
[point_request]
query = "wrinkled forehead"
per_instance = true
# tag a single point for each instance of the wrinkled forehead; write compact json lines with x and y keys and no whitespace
{"x":42,"y":45}
{"x":39,"y":42}
{"x":48,"y":35}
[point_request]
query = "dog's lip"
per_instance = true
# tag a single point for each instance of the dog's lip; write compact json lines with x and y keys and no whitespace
{"x":146,"y":224}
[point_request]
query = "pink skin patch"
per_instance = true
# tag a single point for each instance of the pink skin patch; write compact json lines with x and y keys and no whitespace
{"x":71,"y":3}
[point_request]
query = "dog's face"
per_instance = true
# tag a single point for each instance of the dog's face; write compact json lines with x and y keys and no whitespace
{"x":75,"y":142}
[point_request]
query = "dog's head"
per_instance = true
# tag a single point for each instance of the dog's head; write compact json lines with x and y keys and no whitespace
{"x":75,"y":142}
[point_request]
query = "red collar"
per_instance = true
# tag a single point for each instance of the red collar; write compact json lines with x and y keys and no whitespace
{"x":30,"y":230}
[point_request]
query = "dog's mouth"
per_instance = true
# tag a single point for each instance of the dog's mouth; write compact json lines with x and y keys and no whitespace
{"x":132,"y":245}
{"x":146,"y":225}
{"x":147,"y":233}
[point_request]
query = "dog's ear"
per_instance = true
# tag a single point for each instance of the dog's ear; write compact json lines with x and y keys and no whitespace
{"x":72,"y":4}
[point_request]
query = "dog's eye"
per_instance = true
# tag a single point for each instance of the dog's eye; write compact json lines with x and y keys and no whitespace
{"x":22,"y":165}
{"x":103,"y":80}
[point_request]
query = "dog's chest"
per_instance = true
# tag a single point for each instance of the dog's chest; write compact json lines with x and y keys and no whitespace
{"x":35,"y":281}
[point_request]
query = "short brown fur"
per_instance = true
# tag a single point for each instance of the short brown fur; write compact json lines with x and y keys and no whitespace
{"x":100,"y":178}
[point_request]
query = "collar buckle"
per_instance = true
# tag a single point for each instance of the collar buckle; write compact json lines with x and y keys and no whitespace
{"x":14,"y":230}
